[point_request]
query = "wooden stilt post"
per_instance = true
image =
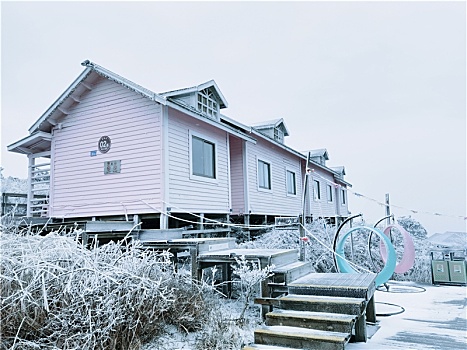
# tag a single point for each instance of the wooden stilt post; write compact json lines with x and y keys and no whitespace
{"x":201,"y":221}
{"x":247,"y":224}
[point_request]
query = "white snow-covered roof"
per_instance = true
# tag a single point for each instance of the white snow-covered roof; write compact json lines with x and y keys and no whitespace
{"x":209,"y":84}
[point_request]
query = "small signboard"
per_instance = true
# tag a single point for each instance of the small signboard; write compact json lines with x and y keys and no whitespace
{"x":93,"y":153}
{"x":104,"y":144}
{"x":112,"y":167}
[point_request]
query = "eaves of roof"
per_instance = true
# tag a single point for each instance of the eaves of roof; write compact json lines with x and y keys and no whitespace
{"x":23,"y":146}
{"x":281,"y":145}
{"x":176,"y":104}
{"x":337,"y":175}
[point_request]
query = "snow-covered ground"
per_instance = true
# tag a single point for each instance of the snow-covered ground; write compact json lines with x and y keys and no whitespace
{"x":433,"y":319}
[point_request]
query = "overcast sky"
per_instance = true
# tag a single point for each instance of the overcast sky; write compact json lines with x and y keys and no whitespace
{"x":381,"y":86}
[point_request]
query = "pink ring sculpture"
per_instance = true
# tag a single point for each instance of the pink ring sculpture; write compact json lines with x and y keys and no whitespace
{"x":408,"y":258}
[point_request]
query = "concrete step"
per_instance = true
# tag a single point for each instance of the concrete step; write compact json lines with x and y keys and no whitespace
{"x":267,"y":347}
{"x":324,"y":321}
{"x":338,"y":305}
{"x":290,"y":272}
{"x":301,"y":338}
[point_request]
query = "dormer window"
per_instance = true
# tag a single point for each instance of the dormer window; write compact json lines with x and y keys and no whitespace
{"x":206,"y":103}
{"x":278,"y":135}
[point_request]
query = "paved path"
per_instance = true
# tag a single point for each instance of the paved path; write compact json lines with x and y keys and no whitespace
{"x":434,"y":319}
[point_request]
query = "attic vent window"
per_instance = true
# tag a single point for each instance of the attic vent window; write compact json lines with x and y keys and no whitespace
{"x":206,"y":103}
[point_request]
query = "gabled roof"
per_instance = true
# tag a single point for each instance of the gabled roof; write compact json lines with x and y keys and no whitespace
{"x":211,"y":84}
{"x":322,"y":152}
{"x":39,"y":131}
{"x":275,"y":123}
{"x":339,"y":169}
{"x":79,"y":85}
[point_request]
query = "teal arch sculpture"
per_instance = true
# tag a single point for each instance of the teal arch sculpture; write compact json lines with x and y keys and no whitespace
{"x":385,"y":274}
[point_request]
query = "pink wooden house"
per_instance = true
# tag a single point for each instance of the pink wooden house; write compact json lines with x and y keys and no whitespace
{"x":108,"y":148}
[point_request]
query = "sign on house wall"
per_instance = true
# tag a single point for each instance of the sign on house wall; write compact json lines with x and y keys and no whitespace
{"x":104,"y":144}
{"x":112,"y":167}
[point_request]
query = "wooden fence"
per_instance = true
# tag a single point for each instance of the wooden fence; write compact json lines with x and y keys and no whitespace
{"x":16,"y":202}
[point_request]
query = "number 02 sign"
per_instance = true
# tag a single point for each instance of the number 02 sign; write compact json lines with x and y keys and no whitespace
{"x":104,"y":144}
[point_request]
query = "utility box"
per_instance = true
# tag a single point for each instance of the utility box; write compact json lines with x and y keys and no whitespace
{"x":440,"y":271}
{"x":449,"y":266}
{"x":457,"y":271}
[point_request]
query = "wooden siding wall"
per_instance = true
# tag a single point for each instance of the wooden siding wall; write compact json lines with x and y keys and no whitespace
{"x":276,"y":201}
{"x":323,"y":207}
{"x":133,"y":124}
{"x":343,"y":209}
{"x":237,"y":176}
{"x":196,"y":195}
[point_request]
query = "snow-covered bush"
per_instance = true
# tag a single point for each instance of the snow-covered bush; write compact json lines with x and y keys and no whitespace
{"x":318,"y":253}
{"x":250,"y":275}
{"x":318,"y":247}
{"x":55,"y":293}
{"x":421,"y":271}
{"x":12,"y":184}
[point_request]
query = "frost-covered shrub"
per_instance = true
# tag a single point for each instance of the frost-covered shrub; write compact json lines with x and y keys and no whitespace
{"x":12,"y":184}
{"x":55,"y":293}
{"x":250,"y":275}
{"x":421,"y":271}
{"x":318,"y":247}
{"x":319,"y":254}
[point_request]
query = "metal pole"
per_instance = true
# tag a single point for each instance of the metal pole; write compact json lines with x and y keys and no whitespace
{"x":302,"y":217}
{"x":388,"y":209}
{"x":302,"y":242}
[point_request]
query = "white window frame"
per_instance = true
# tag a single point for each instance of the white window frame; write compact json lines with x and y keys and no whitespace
{"x":329,"y":191}
{"x":343,"y":196}
{"x":216,"y":151}
{"x":264,"y":189}
{"x":316,"y":190}
{"x":290,"y":170}
{"x":206,"y":104}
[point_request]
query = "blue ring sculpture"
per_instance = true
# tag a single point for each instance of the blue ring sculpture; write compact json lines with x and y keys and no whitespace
{"x":386,"y":273}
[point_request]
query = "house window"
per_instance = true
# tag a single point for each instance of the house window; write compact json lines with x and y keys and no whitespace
{"x":278,"y":135}
{"x":291,"y":184}
{"x":329,"y":190}
{"x":264,"y":175}
{"x":343,"y":197}
{"x":206,"y":103}
{"x":316,"y":190}
{"x":203,"y":157}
